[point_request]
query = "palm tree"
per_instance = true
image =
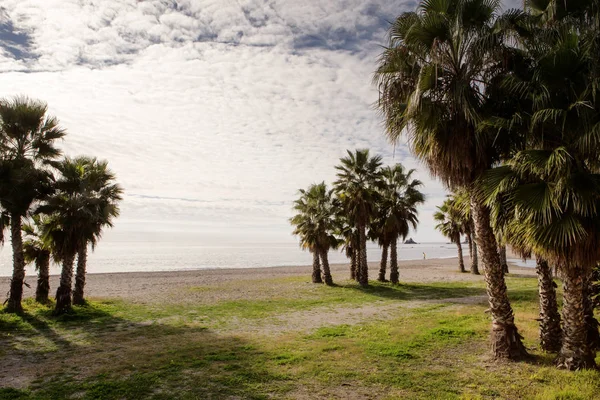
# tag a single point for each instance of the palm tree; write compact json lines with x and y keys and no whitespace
{"x":27,"y":145}
{"x":97,"y":184}
{"x":550,"y":329}
{"x":84,"y":203}
{"x":356,"y":187}
{"x":450,"y":225}
{"x":432,"y":80}
{"x":37,"y":248}
{"x":502,"y":254}
{"x":399,"y":196}
{"x":462,"y":202}
{"x":4,"y":223}
{"x":315,"y":225}
{"x":349,"y":240}
{"x":551,"y":183}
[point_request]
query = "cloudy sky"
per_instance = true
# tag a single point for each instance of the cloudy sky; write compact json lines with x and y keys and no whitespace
{"x":213,"y":113}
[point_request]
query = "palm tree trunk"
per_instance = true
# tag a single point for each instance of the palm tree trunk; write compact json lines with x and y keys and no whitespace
{"x":593,"y":335}
{"x":16,"y":284}
{"x":474,"y":258}
{"x":383,"y":265}
{"x":461,"y":261}
{"x":502,"y":255}
{"x":575,"y":352}
{"x":394,"y":273}
{"x":550,"y":330}
{"x":505,"y":338}
{"x":470,"y":241}
{"x":326,"y":270}
{"x":80,"y":276}
{"x":63,"y":293}
{"x":316,"y":274}
{"x":363,"y":267}
{"x":43,"y":284}
{"x":353,"y":265}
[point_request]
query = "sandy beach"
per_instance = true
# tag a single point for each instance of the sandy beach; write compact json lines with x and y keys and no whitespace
{"x":149,"y":287}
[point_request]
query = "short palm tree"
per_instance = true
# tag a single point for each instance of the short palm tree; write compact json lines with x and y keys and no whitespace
{"x":315,"y":224}
{"x":399,"y":197}
{"x":27,"y":144}
{"x":463,"y":203}
{"x":348,"y":238}
{"x":37,"y":249}
{"x":84,"y":203}
{"x":550,"y":322}
{"x":358,"y":180}
{"x":450,"y":225}
{"x":4,"y":223}
{"x":432,"y":80}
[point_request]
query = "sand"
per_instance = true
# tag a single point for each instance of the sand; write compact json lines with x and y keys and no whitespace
{"x":149,"y":287}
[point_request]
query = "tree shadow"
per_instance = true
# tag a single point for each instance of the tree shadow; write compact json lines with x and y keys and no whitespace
{"x":111,"y":357}
{"x":417,"y":291}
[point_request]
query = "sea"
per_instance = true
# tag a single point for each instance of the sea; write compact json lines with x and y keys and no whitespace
{"x":172,"y":252}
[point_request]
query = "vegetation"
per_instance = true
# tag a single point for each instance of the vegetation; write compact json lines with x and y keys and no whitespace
{"x":433,"y":82}
{"x":430,"y":343}
{"x":396,"y":213}
{"x":67,"y":202}
{"x":368,"y":201}
{"x":359,"y":178}
{"x":450,"y":224}
{"x":37,"y":248}
{"x":549,"y":181}
{"x":471,"y":89}
{"x":315,"y":225}
{"x":27,"y":146}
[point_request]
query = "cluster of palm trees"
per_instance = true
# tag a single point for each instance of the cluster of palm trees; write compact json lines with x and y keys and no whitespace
{"x":367,"y":202}
{"x":58,"y":205}
{"x":454,"y":220}
{"x":506,"y":106}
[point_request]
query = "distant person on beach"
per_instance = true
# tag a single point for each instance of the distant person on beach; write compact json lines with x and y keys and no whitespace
{"x":424,"y":256}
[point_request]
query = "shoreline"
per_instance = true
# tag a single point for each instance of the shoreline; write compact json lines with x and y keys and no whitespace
{"x":160,"y":286}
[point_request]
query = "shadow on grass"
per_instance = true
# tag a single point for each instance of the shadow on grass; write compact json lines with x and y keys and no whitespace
{"x":97,"y":355}
{"x":417,"y":292}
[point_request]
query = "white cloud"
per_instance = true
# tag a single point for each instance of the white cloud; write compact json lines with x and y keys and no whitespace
{"x":212,"y":113}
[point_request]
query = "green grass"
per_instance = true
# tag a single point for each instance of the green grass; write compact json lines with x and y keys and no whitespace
{"x":431,"y":348}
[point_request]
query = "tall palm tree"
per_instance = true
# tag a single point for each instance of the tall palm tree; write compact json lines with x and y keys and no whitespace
{"x":27,"y":144}
{"x":358,"y":179}
{"x":85,"y":201}
{"x":399,"y":197}
{"x":450,"y":225}
{"x":432,"y":80}
{"x":37,"y":249}
{"x":315,"y":225}
{"x":551,"y":184}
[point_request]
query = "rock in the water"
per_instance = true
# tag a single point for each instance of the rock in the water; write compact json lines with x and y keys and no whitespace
{"x":410,"y":241}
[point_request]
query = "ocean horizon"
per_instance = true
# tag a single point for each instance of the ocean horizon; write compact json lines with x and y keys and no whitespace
{"x":168,"y":252}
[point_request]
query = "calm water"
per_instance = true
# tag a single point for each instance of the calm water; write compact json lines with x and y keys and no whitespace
{"x":173,"y":253}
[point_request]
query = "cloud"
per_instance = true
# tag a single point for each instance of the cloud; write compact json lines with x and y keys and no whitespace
{"x":212,"y":113}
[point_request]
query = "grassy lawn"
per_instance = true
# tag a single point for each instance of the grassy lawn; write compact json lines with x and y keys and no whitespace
{"x":411,"y":341}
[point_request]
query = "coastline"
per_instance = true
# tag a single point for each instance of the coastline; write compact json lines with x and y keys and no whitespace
{"x":158,"y":286}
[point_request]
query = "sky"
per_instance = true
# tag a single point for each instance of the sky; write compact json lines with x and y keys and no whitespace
{"x":212,"y":113}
